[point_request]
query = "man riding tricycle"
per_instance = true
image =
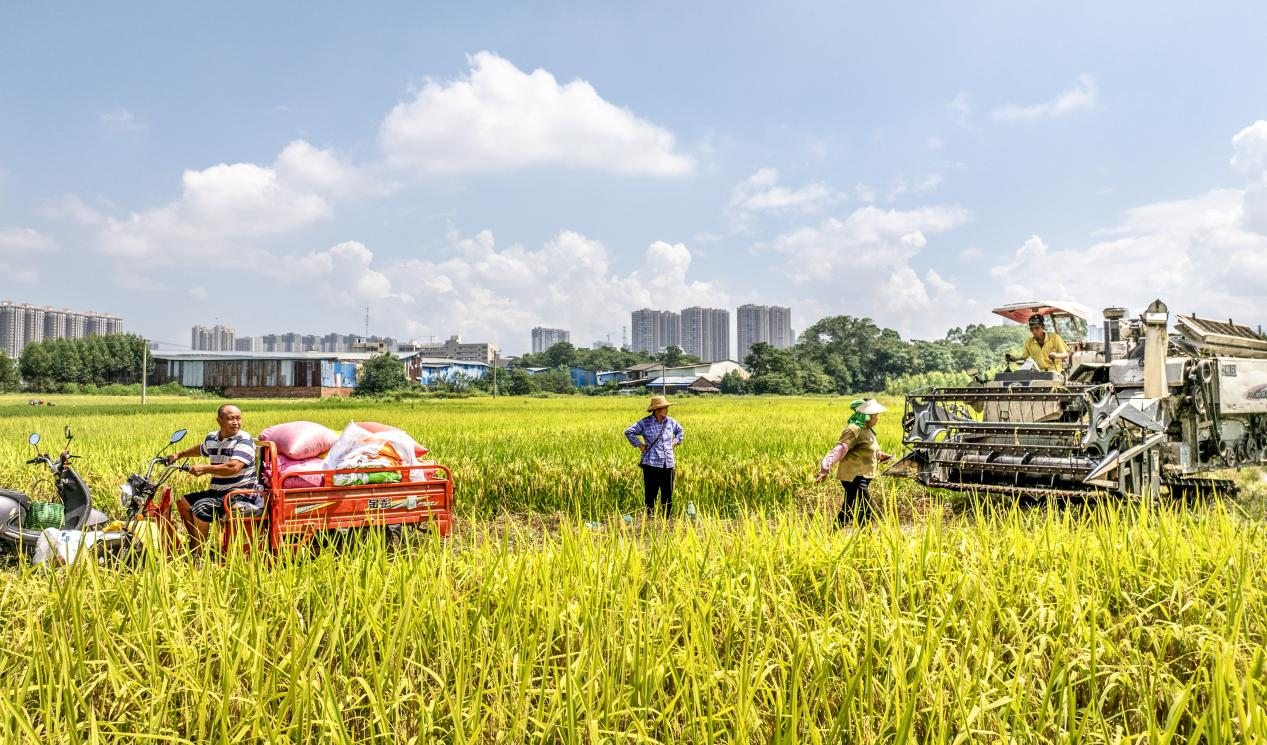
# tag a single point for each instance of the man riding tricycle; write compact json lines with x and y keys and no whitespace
{"x":371,"y":478}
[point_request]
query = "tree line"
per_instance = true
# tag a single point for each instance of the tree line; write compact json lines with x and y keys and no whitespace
{"x":843,"y":354}
{"x":838,"y":354}
{"x":52,"y":364}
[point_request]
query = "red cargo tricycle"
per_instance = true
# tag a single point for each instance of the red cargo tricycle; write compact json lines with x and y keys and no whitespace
{"x":295,"y":510}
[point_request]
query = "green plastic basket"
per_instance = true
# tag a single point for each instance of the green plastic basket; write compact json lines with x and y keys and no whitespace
{"x":43,"y":515}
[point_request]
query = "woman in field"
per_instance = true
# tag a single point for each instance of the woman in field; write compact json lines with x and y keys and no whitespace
{"x":855,"y":457}
{"x":660,"y":434}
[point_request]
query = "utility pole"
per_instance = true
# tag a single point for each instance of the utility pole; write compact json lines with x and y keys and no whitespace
{"x":367,"y":323}
{"x":494,"y":374}
{"x":145,"y":348}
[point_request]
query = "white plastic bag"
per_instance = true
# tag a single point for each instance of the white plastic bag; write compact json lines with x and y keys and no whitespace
{"x":62,"y":545}
{"x":357,"y":445}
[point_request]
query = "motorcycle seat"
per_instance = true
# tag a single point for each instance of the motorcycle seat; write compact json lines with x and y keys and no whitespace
{"x":22,"y":499}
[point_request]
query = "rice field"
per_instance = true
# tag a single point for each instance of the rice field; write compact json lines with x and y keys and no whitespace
{"x":759,"y":623}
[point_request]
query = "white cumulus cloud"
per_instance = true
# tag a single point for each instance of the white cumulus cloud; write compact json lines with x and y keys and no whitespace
{"x":1082,"y":95}
{"x":761,"y":192}
{"x":347,"y":278}
{"x":1205,"y":254}
{"x":499,"y":117}
{"x":231,"y":204}
{"x":25,"y":240}
{"x":19,"y":250}
{"x":863,"y":266}
{"x":484,"y":291}
{"x":1249,"y":150}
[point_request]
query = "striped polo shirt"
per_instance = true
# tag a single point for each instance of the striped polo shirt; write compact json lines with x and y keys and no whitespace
{"x":220,"y":451}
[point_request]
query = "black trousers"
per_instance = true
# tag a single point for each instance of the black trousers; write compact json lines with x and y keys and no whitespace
{"x":856,"y":507}
{"x":660,"y":480}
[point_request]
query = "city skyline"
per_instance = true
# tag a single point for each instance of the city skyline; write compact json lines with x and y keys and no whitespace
{"x":23,"y":324}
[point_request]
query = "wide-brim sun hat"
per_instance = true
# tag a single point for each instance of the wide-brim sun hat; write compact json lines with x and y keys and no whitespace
{"x":659,"y":402}
{"x":871,"y":406}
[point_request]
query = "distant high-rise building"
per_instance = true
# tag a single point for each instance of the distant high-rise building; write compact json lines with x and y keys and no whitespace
{"x":781,"y":334}
{"x":33,"y":325}
{"x":771,"y":324}
{"x":248,"y":344}
{"x":455,"y":349}
{"x":12,"y":328}
{"x":544,"y":338}
{"x":706,"y":333}
{"x":655,"y":330}
{"x":22,"y":324}
{"x":212,"y":339}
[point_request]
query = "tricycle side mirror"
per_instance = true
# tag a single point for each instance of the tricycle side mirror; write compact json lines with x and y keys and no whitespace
{"x":69,"y":436}
{"x":177,"y":436}
{"x":34,"y":439}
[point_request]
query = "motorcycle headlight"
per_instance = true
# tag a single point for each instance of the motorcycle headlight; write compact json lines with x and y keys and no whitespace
{"x":126,"y":490}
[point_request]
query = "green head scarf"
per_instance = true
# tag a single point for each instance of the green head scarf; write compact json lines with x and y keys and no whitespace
{"x":858,"y":418}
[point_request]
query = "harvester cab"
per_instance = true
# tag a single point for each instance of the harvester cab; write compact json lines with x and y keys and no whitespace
{"x":1136,"y":411}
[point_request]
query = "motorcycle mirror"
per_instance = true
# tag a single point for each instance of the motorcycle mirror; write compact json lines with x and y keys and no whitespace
{"x":69,"y":436}
{"x":177,"y":436}
{"x":34,"y":439}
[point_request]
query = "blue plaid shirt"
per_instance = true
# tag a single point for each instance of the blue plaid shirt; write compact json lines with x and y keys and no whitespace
{"x":660,"y":454}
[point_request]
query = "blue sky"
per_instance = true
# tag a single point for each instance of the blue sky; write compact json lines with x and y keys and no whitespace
{"x":482,"y":168}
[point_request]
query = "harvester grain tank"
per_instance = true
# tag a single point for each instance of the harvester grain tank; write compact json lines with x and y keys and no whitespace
{"x":1140,"y":411}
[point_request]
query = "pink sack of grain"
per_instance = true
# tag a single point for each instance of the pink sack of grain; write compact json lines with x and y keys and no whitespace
{"x":299,"y":480}
{"x":300,"y":440}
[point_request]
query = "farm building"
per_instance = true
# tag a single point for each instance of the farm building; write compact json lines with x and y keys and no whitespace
{"x":261,"y":374}
{"x":682,"y":384}
{"x":583,"y":378}
{"x":429,"y":370}
{"x":645,"y":373}
{"x":611,"y":376}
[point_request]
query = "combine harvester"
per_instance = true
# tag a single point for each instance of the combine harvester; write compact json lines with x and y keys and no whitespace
{"x":1140,"y":413}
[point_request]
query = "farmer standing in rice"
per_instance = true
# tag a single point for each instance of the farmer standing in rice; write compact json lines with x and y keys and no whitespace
{"x":660,"y":434}
{"x":855,"y":457}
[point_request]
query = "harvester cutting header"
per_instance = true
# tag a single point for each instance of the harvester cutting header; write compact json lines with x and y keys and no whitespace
{"x":1141,"y":411}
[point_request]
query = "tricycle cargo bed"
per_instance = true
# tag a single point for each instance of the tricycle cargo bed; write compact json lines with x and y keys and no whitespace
{"x":423,"y":497}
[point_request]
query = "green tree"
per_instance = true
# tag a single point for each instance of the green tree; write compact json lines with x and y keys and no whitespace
{"x":562,"y":354}
{"x":518,"y":382}
{"x":10,"y":379}
{"x":381,"y":374}
{"x":555,"y":381}
{"x":733,"y":383}
{"x":674,"y":356}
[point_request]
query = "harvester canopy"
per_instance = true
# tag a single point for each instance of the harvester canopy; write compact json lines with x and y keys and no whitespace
{"x":1069,"y":319}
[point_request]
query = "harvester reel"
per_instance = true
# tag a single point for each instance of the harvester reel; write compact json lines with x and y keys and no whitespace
{"x":1097,"y":438}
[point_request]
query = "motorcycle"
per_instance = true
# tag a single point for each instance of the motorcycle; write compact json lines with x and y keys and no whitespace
{"x":148,"y":522}
{"x":23,"y":520}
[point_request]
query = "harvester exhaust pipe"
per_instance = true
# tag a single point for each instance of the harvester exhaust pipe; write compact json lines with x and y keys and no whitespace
{"x":1112,"y":330}
{"x":1155,"y":347}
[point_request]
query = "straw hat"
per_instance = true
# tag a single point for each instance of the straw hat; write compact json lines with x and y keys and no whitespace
{"x":659,"y":402}
{"x":869,"y":406}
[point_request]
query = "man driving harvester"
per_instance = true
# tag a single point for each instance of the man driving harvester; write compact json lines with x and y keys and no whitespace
{"x":1044,"y":347}
{"x":232,"y":466}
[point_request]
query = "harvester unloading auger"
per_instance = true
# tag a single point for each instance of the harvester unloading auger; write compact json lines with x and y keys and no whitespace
{"x":1142,"y":412}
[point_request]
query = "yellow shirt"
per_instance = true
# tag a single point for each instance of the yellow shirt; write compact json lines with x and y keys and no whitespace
{"x":1041,"y":353}
{"x":863,"y":454}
